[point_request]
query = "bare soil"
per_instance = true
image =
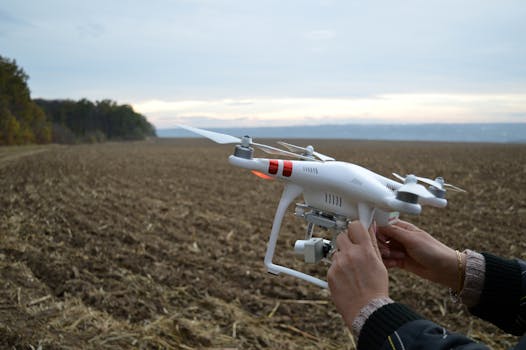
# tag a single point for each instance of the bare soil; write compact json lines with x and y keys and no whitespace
{"x":160,"y":244}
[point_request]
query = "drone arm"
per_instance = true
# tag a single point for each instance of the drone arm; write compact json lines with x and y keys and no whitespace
{"x":366,"y":214}
{"x":434,"y":202}
{"x":290,"y":192}
{"x":251,"y":164}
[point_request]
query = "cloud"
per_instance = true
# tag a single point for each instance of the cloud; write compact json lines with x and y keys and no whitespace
{"x":386,"y":108}
{"x":217,"y":56}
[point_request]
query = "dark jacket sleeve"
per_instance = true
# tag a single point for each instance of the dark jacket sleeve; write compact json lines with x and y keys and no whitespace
{"x":503,"y":300}
{"x":396,"y":327}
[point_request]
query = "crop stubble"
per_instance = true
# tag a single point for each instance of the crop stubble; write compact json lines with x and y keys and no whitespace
{"x":160,"y":244}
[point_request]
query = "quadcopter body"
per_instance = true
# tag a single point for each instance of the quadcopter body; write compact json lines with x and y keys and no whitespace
{"x":334,"y":194}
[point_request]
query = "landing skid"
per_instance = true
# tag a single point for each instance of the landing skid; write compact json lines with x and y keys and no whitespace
{"x":313,"y":218}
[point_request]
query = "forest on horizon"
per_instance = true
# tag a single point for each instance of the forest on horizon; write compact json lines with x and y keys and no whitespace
{"x":26,"y":121}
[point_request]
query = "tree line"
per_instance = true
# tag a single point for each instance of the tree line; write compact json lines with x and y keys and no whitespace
{"x":99,"y":121}
{"x":25,"y":121}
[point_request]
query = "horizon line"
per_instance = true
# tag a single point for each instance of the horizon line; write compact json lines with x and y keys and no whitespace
{"x":351,"y":123}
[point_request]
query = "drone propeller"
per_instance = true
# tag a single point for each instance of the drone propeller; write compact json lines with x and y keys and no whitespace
{"x":438,"y":182}
{"x":245,"y":141}
{"x":454,"y":188}
{"x":308,"y":151}
{"x":274,"y":150}
{"x":214,"y":136}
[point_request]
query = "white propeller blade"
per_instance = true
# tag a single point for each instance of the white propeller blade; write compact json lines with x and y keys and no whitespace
{"x":416,"y":189}
{"x":214,"y":136}
{"x":432,"y":183}
{"x":224,"y":139}
{"x":323,"y":157}
{"x":429,"y":182}
{"x":293,"y":148}
{"x":274,"y":150}
{"x":399,"y":177}
{"x":455,"y":188}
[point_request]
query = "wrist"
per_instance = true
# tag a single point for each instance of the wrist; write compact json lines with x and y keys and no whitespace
{"x":359,"y":305}
{"x":366,"y":311}
{"x":450,"y":271}
{"x":461,"y":270}
{"x":474,"y":280}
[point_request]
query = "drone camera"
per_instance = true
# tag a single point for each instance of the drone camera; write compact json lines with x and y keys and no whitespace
{"x":312,"y":250}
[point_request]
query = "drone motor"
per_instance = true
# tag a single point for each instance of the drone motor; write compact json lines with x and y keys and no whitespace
{"x":244,"y":150}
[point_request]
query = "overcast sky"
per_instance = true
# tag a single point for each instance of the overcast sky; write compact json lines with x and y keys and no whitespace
{"x":262,"y":63}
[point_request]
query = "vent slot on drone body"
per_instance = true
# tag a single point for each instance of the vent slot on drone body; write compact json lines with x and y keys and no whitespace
{"x":390,"y":187}
{"x":333,"y":199}
{"x":310,"y":170}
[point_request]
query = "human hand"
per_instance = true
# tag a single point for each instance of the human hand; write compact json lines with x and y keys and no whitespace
{"x":406,"y":246}
{"x":357,"y":274}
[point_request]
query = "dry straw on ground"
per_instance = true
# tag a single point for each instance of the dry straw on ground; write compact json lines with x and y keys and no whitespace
{"x":160,"y":245}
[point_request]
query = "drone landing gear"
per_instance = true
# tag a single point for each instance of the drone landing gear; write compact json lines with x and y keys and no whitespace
{"x":290,"y":192}
{"x":313,"y":249}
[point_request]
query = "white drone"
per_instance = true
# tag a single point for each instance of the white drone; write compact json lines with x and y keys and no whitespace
{"x":334,"y":194}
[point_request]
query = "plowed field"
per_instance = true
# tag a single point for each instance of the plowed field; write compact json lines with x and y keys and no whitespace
{"x":160,"y":244}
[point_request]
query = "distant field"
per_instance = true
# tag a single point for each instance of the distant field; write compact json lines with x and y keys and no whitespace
{"x":487,"y":132}
{"x":160,"y":244}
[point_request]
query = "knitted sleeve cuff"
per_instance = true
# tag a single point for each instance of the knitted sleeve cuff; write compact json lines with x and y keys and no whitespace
{"x":474,"y":281}
{"x":500,"y":298}
{"x":366,"y":311}
{"x":383,"y":322}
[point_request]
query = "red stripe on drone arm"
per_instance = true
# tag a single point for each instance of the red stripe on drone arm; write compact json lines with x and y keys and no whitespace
{"x":287,"y":168}
{"x":273,"y":166}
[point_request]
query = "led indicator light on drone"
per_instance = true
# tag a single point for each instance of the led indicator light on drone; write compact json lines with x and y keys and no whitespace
{"x":261,"y":175}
